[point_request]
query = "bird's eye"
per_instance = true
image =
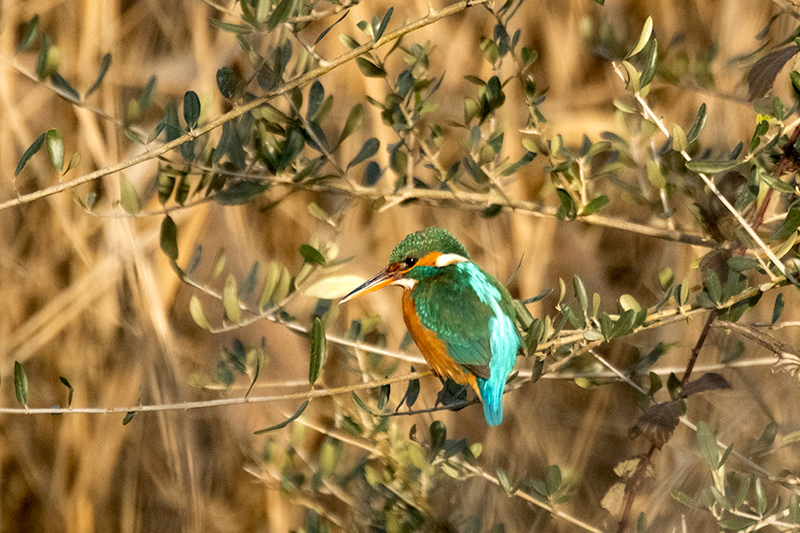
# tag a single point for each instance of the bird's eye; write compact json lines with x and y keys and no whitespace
{"x":410,"y":262}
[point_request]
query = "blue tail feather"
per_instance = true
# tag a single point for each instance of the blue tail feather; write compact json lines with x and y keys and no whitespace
{"x":492,"y":396}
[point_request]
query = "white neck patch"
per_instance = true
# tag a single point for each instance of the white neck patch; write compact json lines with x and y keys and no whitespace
{"x":449,"y":259}
{"x":407,"y":283}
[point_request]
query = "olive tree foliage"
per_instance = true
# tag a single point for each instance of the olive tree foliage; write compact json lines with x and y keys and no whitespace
{"x":279,"y":137}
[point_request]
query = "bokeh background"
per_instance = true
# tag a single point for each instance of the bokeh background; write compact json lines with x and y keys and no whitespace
{"x":92,"y":298}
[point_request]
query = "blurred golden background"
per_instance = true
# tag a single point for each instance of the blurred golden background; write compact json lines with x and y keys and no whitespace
{"x":91,"y":297}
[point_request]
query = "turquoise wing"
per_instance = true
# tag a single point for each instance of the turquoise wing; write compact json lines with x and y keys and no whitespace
{"x":473,"y":314}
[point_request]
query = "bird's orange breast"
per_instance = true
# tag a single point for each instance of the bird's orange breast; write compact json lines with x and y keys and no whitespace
{"x":432,"y":348}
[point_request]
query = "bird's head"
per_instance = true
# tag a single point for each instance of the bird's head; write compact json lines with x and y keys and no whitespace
{"x":418,"y":256}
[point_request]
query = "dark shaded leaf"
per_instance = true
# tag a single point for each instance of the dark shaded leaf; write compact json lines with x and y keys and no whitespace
{"x":524,"y":160}
{"x":148,"y":93}
{"x":370,"y":69}
{"x":372,"y":174}
{"x":567,"y":210}
{"x":191,"y":108}
{"x":32,"y":149}
{"x":706,"y":382}
{"x":762,"y":76}
{"x":438,"y":438}
{"x":329,"y":28}
{"x":68,"y":385}
{"x":240,"y":192}
{"x":777,"y":309}
{"x":698,"y":125}
{"x":384,"y":23}
{"x":63,"y":85}
{"x":412,"y":392}
{"x":105,"y":64}
{"x":31,"y":32}
{"x":369,"y":148}
{"x":128,"y":417}
{"x":312,"y":255}
{"x":319,"y":349}
{"x":169,"y":238}
{"x":20,"y":384}
{"x":766,"y":439}
{"x":227,"y":82}
{"x":658,"y":423}
{"x":250,"y":281}
{"x":286,"y":422}
{"x":383,"y":396}
{"x":282,"y":12}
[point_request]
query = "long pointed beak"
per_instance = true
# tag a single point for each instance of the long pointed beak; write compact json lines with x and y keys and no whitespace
{"x":381,"y":280}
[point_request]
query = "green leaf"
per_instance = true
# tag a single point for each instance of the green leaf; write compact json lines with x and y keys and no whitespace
{"x":128,"y":197}
{"x":169,"y":238}
{"x":384,"y":23}
{"x":655,"y":176}
{"x":438,"y":438}
{"x":580,"y":293}
{"x":32,"y":149}
{"x":370,"y":69}
{"x":789,"y":225}
{"x":286,"y":422}
{"x":238,"y":29}
{"x":360,"y":403}
{"x":650,"y":62}
{"x":647,"y":30}
{"x":369,"y":148}
{"x":230,"y":300}
{"x":148,"y":93}
{"x":372,"y":174}
{"x":31,"y":32}
{"x":736,"y":523}
{"x":250,"y":281}
{"x":55,"y":147}
{"x":697,"y":126}
{"x":679,"y":141}
{"x":68,"y":385}
{"x":383,"y":396}
{"x":312,"y":255}
{"x":353,"y":122}
{"x":761,"y":497}
{"x":708,"y":445}
{"x":196,"y":310}
{"x":282,"y":12}
{"x":777,"y":309}
{"x":490,"y":50}
{"x":329,"y":28}
{"x":47,"y":60}
{"x":742,"y":264}
{"x":766,"y":439}
{"x":64,"y":87}
{"x":319,"y":349}
{"x":595,"y":205}
{"x":227,"y":82}
{"x":241,"y":192}
{"x":20,"y":384}
{"x":191,"y":108}
{"x":105,"y":64}
{"x":271,"y":282}
{"x":553,"y":479}
{"x":567,"y":210}
{"x":710,"y":166}
{"x":505,"y":484}
{"x":713,"y":285}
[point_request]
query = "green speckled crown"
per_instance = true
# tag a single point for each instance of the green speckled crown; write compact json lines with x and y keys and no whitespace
{"x":423,"y":242}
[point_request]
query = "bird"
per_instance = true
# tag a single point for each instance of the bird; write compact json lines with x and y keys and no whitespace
{"x":461,"y":317}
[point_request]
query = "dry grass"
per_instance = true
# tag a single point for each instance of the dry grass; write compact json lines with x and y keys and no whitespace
{"x":93,"y":299}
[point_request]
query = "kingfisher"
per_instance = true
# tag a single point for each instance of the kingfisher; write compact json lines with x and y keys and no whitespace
{"x":461,"y":318}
